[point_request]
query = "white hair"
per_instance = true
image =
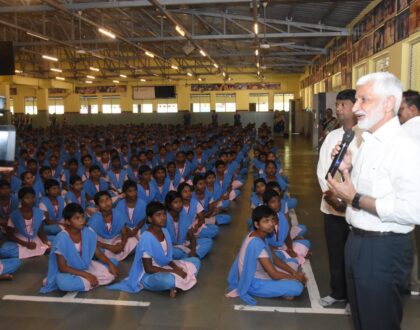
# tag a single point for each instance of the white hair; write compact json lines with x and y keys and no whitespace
{"x":385,"y":84}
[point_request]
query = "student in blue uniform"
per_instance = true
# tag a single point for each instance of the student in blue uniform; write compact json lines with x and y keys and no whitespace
{"x":110,"y":226}
{"x":95,"y":183}
{"x":117,"y":175}
{"x":71,"y":266}
{"x":153,"y":267}
{"x":182,"y":230}
{"x":8,"y":201}
{"x":146,"y":188}
{"x":8,"y":267}
{"x":258,"y":272}
{"x":161,"y":182}
{"x":134,"y":209}
{"x":53,"y":205}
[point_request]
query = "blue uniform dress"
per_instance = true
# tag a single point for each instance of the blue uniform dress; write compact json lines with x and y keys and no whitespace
{"x":138,"y":216}
{"x":9,"y":266}
{"x":179,"y":237}
{"x":138,"y":279}
{"x":55,"y":215}
{"x":245,"y":282}
{"x":82,"y":261}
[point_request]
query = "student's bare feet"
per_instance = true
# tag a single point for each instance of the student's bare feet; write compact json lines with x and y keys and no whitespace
{"x":172,"y":293}
{"x":289,"y":298}
{"x":6,"y":277}
{"x":309,"y":255}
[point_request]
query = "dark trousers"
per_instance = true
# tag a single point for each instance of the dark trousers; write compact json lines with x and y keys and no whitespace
{"x":336,"y":232}
{"x":377,"y":270}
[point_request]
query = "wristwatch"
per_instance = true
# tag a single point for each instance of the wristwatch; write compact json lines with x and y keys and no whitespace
{"x":356,"y":201}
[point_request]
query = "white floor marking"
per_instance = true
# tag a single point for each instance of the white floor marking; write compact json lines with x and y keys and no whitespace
{"x":313,"y":292}
{"x":71,"y":294}
{"x":77,"y":300}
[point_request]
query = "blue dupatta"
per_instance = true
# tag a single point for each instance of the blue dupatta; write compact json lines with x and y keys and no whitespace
{"x":97,"y":223}
{"x":19,"y":222}
{"x":139,"y":213}
{"x":150,"y":244}
{"x":65,"y":246}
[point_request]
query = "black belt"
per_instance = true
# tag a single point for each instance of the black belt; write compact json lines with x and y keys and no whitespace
{"x":368,"y":233}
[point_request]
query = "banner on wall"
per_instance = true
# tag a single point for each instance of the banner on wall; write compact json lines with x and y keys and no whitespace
{"x":143,"y":93}
{"x":101,"y":89}
{"x":236,"y":86}
{"x":56,"y":91}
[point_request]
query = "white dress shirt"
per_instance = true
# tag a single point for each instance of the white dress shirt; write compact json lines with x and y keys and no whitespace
{"x":387,"y":168}
{"x":412,"y":127}
{"x":324,"y":162}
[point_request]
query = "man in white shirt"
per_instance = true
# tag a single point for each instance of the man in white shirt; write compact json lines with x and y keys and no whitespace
{"x":409,"y":116}
{"x":335,"y":226}
{"x":382,"y":197}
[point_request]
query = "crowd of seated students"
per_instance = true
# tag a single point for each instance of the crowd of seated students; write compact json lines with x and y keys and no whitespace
{"x":91,"y":196}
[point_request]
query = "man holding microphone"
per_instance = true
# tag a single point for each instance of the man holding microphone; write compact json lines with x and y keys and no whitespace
{"x":381,"y":188}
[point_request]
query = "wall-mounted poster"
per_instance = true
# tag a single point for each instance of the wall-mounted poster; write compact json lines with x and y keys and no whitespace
{"x":143,"y":93}
{"x":401,"y":4}
{"x":101,"y":89}
{"x":414,"y":20}
{"x":236,"y":86}
{"x":378,"y":40}
{"x":401,"y":25}
{"x":389,"y":34}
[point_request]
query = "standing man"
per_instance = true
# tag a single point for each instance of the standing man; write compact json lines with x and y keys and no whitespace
{"x":335,"y":226}
{"x":409,"y":116}
{"x":381,"y":188}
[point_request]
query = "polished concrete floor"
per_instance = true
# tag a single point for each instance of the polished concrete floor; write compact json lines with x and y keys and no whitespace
{"x":204,"y":307}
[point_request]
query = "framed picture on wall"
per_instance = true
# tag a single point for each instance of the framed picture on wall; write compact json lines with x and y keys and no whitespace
{"x":378,"y":40}
{"x":389,"y":9}
{"x":414,"y":20}
{"x":402,"y":4}
{"x":401,"y":25}
{"x":389,"y":34}
{"x":379,"y":13}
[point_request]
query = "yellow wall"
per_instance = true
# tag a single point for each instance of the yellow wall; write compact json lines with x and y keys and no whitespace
{"x":289,"y":83}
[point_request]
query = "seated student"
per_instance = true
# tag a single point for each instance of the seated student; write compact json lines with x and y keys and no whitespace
{"x":173,"y":175}
{"x":110,"y":225}
{"x":134,"y":209}
{"x":105,"y":162}
{"x":221,"y":199}
{"x":153,"y":267}
{"x":8,"y":267}
{"x":56,"y":167}
{"x":271,"y":174}
{"x":212,"y":213}
{"x":72,"y":169}
{"x":125,"y":155}
{"x":285,"y":241}
{"x":258,"y":163}
{"x":85,"y":167}
{"x":95,"y":183}
{"x":25,"y":233}
{"x":182,"y":231}
{"x":257,"y":194}
{"x":8,"y":202}
{"x":161,"y":183}
{"x":71,"y":266}
{"x":146,"y":190}
{"x":44,"y":175}
{"x":258,"y":272}
{"x":117,"y":175}
{"x":53,"y":205}
{"x":200,"y":159}
{"x":161,"y":158}
{"x":133,"y":168}
{"x":77,"y":195}
{"x":224,"y":180}
{"x":195,"y":212}
{"x":183,"y":166}
{"x":13,"y":177}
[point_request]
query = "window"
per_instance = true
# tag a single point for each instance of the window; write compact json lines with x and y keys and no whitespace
{"x":200,"y":102}
{"x":144,"y":107}
{"x":56,"y":106}
{"x":12,"y":108}
{"x":361,"y":70}
{"x":415,"y":66}
{"x":281,"y":101}
{"x":111,"y":104}
{"x":382,"y":64}
{"x":167,"y":105}
{"x":225,"y":102}
{"x":88,"y":104}
{"x":30,"y":106}
{"x":260,"y":101}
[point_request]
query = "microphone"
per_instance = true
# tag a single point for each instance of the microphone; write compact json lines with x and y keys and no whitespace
{"x":347,"y":138}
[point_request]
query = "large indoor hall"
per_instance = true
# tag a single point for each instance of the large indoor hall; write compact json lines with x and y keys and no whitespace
{"x":223,"y":164}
